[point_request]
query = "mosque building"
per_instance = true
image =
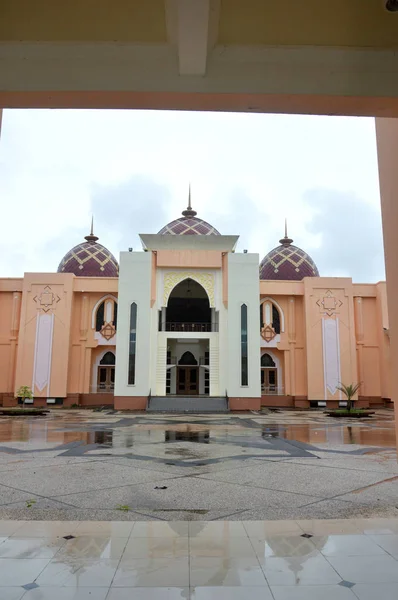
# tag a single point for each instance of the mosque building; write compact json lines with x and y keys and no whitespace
{"x":188,"y":323}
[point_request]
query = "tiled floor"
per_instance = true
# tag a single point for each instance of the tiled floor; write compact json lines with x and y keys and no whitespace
{"x":222,"y":560}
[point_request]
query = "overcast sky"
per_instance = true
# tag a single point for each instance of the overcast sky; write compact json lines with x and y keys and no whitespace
{"x":131,"y":169}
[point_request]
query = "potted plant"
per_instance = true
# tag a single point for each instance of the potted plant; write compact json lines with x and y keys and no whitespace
{"x":349,"y":392}
{"x":25,"y":393}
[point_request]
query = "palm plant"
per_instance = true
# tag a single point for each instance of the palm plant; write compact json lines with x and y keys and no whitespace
{"x":349,"y":392}
{"x":25,"y":393}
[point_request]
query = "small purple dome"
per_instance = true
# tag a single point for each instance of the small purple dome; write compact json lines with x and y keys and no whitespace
{"x":287,"y":262}
{"x":188,"y":224}
{"x":89,"y":259}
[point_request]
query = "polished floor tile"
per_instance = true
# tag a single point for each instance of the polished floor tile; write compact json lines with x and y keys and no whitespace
{"x":264,"y":529}
{"x":78,"y":573}
{"x":155,"y":572}
{"x":283,"y":546}
{"x":366,"y":569}
{"x":20,"y":571}
{"x":104,"y":528}
{"x":160,"y":529}
{"x":31,"y":547}
{"x":151,"y":547}
{"x":226,"y":572}
{"x":66,"y":593}
{"x":9,"y":527}
{"x":231,"y":593}
{"x":308,"y":570}
{"x":238,"y":547}
{"x":388,"y":542}
{"x":330,"y":526}
{"x":348,"y":545}
{"x":45,"y":529}
{"x":11,"y":593}
{"x":149,"y":593}
{"x":313,"y":592}
{"x":376,"y":526}
{"x":224,"y":529}
{"x":383,"y":591}
{"x":92,"y":547}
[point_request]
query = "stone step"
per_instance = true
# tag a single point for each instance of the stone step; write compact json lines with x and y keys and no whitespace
{"x":187,"y":404}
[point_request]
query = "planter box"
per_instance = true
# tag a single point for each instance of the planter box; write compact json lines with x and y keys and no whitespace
{"x":349,"y":414}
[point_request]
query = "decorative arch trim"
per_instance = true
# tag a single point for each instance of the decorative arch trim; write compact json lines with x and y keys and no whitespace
{"x":173,"y":278}
{"x":278,"y":306}
{"x":97,"y":305}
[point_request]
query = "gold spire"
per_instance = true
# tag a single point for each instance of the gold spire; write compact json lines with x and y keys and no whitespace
{"x":91,"y":237}
{"x":286,"y":241}
{"x":189,"y":213}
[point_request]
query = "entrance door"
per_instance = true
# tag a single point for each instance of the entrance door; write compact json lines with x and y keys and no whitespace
{"x":269,"y":381}
{"x":188,"y":381}
{"x":106,"y":379}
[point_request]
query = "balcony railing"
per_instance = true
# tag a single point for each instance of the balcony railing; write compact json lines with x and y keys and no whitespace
{"x":190,"y":327}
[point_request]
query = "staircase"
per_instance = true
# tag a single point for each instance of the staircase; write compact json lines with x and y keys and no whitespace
{"x":187,"y":404}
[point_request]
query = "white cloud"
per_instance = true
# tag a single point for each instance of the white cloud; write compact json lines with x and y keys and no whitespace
{"x":132,"y":168}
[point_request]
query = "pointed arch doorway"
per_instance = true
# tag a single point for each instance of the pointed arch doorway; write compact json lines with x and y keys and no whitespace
{"x":106,"y":373}
{"x":188,"y":375}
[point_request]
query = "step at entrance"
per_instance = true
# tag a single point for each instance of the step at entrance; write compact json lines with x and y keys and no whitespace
{"x":187,"y":404}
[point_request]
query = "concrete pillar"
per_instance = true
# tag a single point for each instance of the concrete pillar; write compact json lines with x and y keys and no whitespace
{"x":387,"y":149}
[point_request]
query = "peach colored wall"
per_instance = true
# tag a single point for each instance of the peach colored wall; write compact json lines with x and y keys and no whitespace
{"x":333,"y":296}
{"x":44,"y":365}
{"x":384,"y":340}
{"x":84,"y":346}
{"x":189,"y":258}
{"x":6,"y":348}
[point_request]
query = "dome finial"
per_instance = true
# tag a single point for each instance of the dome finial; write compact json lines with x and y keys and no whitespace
{"x":91,"y":237}
{"x":286,"y":241}
{"x":188,"y":213}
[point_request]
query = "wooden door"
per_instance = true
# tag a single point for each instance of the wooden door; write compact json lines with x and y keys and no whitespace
{"x":188,"y":381}
{"x":106,"y":379}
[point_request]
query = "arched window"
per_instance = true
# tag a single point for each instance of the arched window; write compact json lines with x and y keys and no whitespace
{"x":276,"y":322}
{"x":108,"y":359}
{"x":271,"y":316}
{"x":106,"y":313}
{"x":187,"y":359}
{"x":267,"y":361}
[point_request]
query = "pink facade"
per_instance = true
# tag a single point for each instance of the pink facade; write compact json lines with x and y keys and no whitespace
{"x":331,"y":331}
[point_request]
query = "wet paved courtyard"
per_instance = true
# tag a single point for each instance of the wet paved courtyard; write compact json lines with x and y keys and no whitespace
{"x":84,"y":465}
{"x":219,"y":560}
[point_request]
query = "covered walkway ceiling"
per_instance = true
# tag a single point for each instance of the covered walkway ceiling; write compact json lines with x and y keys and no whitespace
{"x":308,"y":56}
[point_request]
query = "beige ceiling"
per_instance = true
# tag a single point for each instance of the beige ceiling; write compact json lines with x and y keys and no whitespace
{"x":360,"y":23}
{"x":345,"y":23}
{"x":83,"y":20}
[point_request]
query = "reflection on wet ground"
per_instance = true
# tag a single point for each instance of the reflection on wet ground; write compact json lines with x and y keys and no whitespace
{"x":119,"y":431}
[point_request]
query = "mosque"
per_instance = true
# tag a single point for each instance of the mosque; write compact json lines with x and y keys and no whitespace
{"x":188,"y":323}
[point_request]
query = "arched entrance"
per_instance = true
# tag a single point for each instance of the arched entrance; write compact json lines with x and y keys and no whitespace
{"x":269,"y":375}
{"x":188,"y":375}
{"x":106,"y":373}
{"x":188,"y":308}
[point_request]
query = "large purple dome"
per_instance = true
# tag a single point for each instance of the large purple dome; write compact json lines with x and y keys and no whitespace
{"x":89,"y":259}
{"x":189,"y":224}
{"x":287,"y":262}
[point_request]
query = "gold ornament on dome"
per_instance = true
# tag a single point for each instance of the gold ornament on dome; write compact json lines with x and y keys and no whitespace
{"x":268,"y":333}
{"x":108,"y":331}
